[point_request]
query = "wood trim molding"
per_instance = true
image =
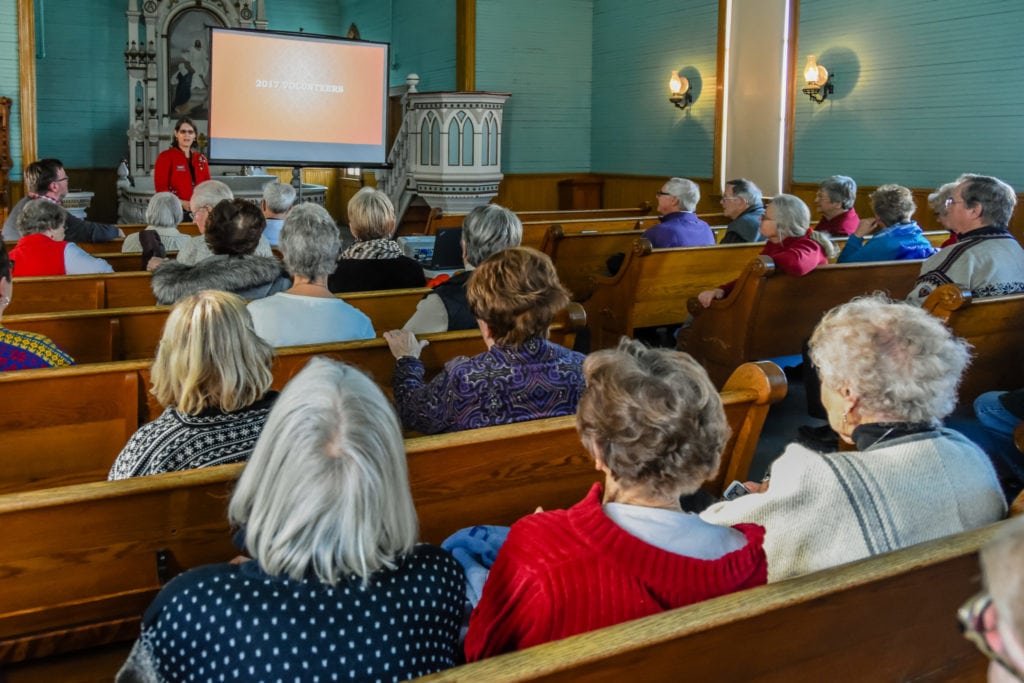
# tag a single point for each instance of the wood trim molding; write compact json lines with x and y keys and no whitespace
{"x":27,"y":81}
{"x":791,"y":61}
{"x":720,"y":77}
{"x":465,"y":45}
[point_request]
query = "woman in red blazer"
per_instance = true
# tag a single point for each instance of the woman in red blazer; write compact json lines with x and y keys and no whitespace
{"x":180,"y":168}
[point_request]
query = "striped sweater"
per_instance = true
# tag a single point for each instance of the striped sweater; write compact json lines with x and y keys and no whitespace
{"x":824,"y":510}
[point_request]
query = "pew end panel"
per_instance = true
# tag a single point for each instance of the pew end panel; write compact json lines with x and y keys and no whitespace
{"x":994,"y":326}
{"x":82,"y":563}
{"x":747,"y":397}
{"x":578,"y":256}
{"x":67,"y":425}
{"x":770,"y":314}
{"x":887,"y":618}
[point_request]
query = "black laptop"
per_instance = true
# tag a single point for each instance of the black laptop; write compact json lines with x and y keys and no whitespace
{"x":447,"y":249}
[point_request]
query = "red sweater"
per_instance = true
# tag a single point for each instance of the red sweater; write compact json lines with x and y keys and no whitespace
{"x":37,"y":254}
{"x":171,"y":173}
{"x":793,"y":256}
{"x":565,"y":572}
{"x":841,"y":225}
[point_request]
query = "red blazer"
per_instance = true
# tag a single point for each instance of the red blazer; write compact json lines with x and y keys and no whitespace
{"x":172,"y":175}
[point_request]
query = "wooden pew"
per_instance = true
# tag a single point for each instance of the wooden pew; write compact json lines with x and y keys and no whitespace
{"x":885,"y":618}
{"x":769,"y":314}
{"x":126,"y":263}
{"x":85,"y":560}
{"x":578,"y":256}
{"x":653,"y":285}
{"x":67,"y":425}
{"x":80,"y":292}
{"x":112,"y":334}
{"x":995,"y":328}
{"x":439,"y":219}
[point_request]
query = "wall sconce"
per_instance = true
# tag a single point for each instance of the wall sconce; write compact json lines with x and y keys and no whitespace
{"x":679,"y":87}
{"x":819,"y":81}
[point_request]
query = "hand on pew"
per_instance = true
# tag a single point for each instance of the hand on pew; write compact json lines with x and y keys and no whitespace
{"x":707,"y":296}
{"x":404,"y":343}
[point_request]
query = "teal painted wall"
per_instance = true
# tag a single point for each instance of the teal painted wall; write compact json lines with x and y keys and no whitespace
{"x":422,"y":37}
{"x":423,"y":42}
{"x":925,"y":90}
{"x":310,"y":16}
{"x":9,"y":76}
{"x":540,"y":51}
{"x":636,"y":46}
{"x":81,"y":90}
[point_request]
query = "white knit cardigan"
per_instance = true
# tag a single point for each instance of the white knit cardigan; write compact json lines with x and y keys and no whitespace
{"x":821,"y":510}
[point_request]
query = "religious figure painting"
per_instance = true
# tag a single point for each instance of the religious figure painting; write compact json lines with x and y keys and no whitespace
{"x":188,"y":64}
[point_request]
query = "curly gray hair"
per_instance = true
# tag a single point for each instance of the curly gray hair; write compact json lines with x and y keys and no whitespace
{"x":654,"y":416}
{"x":899,"y":360}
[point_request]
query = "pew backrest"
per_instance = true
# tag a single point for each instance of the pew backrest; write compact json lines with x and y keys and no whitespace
{"x":67,"y":425}
{"x":652,"y":286}
{"x":994,"y":326}
{"x":580,"y":255}
{"x":53,"y":293}
{"x":771,"y":314}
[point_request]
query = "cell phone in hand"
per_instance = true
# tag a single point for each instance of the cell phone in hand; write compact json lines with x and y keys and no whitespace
{"x":735,"y":490}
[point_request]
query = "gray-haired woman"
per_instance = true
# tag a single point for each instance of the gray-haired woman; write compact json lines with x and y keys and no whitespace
{"x":308,"y":312}
{"x":163,"y":215}
{"x":889,"y":374}
{"x":337,"y":585}
{"x":785,"y":223}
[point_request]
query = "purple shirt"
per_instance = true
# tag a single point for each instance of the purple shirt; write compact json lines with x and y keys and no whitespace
{"x":680,"y":229}
{"x":499,"y":386}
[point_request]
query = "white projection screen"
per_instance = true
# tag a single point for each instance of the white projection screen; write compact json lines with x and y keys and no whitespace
{"x":297,"y":100}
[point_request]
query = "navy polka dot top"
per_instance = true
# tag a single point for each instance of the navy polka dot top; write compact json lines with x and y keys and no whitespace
{"x":236,"y":623}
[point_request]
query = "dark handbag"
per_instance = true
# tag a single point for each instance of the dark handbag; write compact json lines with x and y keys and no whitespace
{"x":151,"y":246}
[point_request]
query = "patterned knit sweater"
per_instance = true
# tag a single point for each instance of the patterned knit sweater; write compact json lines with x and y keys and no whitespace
{"x":988,"y":261}
{"x":176,"y":441}
{"x":27,"y":350}
{"x":565,"y":572}
{"x":500,"y":386}
{"x":824,"y":510}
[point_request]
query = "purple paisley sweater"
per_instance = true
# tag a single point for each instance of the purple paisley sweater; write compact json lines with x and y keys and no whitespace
{"x":500,"y":386}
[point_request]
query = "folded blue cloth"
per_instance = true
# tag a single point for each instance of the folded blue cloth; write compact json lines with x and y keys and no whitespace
{"x":476,"y":548}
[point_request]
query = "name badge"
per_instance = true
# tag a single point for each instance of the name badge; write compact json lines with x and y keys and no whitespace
{"x":180,"y":168}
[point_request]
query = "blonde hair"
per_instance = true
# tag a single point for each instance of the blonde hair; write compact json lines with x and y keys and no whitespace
{"x":210,"y":357}
{"x":517,"y":293}
{"x":371,"y":215}
{"x":327,"y":486}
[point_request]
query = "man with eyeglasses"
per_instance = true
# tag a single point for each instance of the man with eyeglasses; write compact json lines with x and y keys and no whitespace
{"x":741,"y":203}
{"x":679,"y":226}
{"x":47,"y":179}
{"x":994,"y":619}
{"x":986,"y":259}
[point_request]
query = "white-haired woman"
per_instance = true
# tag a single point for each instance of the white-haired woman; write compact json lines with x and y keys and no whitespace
{"x":212,"y":375}
{"x":655,"y":426}
{"x":337,"y":588}
{"x":42,"y":249}
{"x":163,"y":215}
{"x":374,"y":261}
{"x":308,"y":313}
{"x":784,"y":224}
{"x":889,"y":374}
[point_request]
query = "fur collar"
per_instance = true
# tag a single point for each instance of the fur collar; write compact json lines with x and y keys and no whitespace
{"x":249,"y":276}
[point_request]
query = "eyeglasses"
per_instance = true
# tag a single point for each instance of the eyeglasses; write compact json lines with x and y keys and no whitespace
{"x":61,"y":180}
{"x":950,"y":201}
{"x":764,"y":217}
{"x":972,"y":617}
{"x":663,"y":194}
{"x":729,"y":199}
